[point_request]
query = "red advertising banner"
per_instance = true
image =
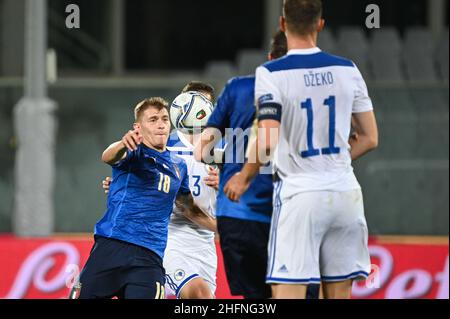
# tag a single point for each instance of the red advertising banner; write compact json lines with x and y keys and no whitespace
{"x":45,"y":268}
{"x":407,"y":269}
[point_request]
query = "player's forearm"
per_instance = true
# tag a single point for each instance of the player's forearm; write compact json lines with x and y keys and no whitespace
{"x":114,"y":153}
{"x":185,"y":203}
{"x":257,"y":159}
{"x":363,"y":145}
{"x":366,"y":139}
{"x":204,"y":221}
{"x":197,"y":216}
{"x":250,"y":170}
{"x":268,"y":136}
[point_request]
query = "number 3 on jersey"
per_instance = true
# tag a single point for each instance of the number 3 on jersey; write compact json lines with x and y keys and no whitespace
{"x":164,"y":183}
{"x":197,"y":190}
{"x":331,"y":149}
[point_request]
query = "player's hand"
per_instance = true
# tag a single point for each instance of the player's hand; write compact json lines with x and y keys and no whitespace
{"x":236,"y":187}
{"x":106,"y":183}
{"x":212,"y":180}
{"x":132,"y":139}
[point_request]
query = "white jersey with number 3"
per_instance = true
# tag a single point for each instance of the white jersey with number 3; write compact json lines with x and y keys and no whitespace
{"x":191,"y":250}
{"x":314,"y":95}
{"x":204,"y":196}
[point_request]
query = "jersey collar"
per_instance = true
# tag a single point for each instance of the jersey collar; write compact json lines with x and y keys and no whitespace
{"x":304,"y":51}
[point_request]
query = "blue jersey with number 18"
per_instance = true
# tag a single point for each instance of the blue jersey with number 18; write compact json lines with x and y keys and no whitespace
{"x":141,"y":198}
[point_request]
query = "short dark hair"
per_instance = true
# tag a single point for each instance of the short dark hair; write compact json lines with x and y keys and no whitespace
{"x":278,"y":46}
{"x":200,"y":86}
{"x":154,"y":102}
{"x":302,"y":15}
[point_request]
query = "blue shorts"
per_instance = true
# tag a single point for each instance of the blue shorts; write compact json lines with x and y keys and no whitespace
{"x":119,"y":269}
{"x":245,"y":254}
{"x":244,"y":249}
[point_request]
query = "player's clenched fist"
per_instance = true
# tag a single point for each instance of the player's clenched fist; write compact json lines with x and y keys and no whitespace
{"x":236,"y":187}
{"x":132,"y":139}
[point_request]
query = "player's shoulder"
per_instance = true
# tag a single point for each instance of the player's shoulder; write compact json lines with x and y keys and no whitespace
{"x":307,"y":61}
{"x":335,"y":60}
{"x":238,"y":88}
{"x":276,"y":63}
{"x":175,"y":146}
{"x":240,"y":82}
{"x":178,"y":161}
{"x":176,"y":143}
{"x":174,"y":140}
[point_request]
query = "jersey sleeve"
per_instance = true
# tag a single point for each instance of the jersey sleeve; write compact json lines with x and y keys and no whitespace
{"x":362,"y":102}
{"x":267,"y":96}
{"x":219,"y":118}
{"x":124,"y":163}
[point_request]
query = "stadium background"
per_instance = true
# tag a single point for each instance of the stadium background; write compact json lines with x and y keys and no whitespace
{"x":125,"y":51}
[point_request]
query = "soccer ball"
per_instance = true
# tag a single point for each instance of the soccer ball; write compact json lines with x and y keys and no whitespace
{"x":190,"y":111}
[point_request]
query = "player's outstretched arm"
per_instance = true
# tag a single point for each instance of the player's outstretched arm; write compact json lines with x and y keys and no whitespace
{"x":365,"y":126}
{"x":185,"y":203}
{"x":118,"y":150}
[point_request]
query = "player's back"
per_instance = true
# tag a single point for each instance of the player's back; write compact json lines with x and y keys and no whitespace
{"x":234,"y":116}
{"x":318,"y":93}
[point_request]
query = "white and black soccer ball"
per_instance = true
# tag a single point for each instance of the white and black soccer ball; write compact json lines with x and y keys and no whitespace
{"x":190,"y":111}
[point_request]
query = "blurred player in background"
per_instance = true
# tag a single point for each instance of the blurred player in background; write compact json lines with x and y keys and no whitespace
{"x":130,"y":239}
{"x":308,"y":98}
{"x":190,"y":259}
{"x":243,"y":227}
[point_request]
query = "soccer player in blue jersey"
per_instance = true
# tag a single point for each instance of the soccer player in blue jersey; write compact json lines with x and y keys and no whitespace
{"x":130,"y":239}
{"x":244,"y":226}
{"x":190,"y":259}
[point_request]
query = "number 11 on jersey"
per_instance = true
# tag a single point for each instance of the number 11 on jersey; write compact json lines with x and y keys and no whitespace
{"x":331,"y":149}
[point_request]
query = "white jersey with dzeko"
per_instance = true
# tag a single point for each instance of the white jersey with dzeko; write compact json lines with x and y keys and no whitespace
{"x":317,"y":198}
{"x":191,"y":250}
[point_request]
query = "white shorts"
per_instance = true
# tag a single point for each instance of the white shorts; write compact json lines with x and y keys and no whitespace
{"x":183,"y":263}
{"x":318,"y":236}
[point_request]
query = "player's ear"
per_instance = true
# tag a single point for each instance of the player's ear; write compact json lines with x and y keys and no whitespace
{"x":321,"y":25}
{"x":136,"y":126}
{"x":282,"y":24}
